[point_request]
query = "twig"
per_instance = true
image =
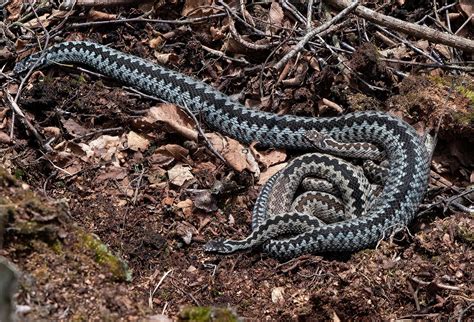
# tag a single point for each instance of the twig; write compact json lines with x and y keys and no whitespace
{"x":312,"y":33}
{"x":427,"y":65}
{"x":150,"y":298}
{"x":447,"y":202}
{"x":439,"y":285}
{"x":409,"y":44}
{"x":68,"y":4}
{"x":407,"y":27}
{"x":129,"y":20}
{"x":244,"y":42}
{"x":461,"y":315}
{"x":14,"y":102}
{"x":415,"y":296}
{"x":17,"y":111}
{"x":237,"y":17}
{"x":469,"y":19}
{"x":137,"y":188}
{"x":309,"y":15}
{"x":296,"y":14}
{"x":223,"y":55}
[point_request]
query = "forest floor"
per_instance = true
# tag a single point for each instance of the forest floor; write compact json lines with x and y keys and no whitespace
{"x":108,"y":196}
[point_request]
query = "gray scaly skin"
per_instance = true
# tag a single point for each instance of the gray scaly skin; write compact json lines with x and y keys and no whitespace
{"x":407,"y":176}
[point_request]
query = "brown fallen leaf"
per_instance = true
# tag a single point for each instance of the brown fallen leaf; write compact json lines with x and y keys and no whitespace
{"x":186,"y":207}
{"x":196,"y":8}
{"x":275,"y":17}
{"x":73,"y":128}
{"x":105,"y":147}
{"x":95,"y":15}
{"x":52,"y":130}
{"x":269,"y":157}
{"x":136,"y":142}
{"x":203,"y":199}
{"x":238,"y":156}
{"x":4,"y":138}
{"x":467,"y":7}
{"x":167,"y":154}
{"x":166,"y":58}
{"x":270,"y":172}
{"x":116,"y":173}
{"x":186,"y":231}
{"x":179,"y":174}
{"x":174,"y":118}
{"x":14,"y":9}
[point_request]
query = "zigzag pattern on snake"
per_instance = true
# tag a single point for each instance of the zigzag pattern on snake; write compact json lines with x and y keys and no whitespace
{"x":404,"y":186}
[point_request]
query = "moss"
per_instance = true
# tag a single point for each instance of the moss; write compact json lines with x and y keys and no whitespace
{"x":205,"y":313}
{"x":466,"y":92}
{"x":466,"y":235}
{"x":104,"y":257}
{"x":6,"y":179}
{"x":57,"y":247}
{"x":463,"y":118}
{"x":19,"y":174}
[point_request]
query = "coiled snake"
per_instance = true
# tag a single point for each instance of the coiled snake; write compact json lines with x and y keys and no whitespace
{"x":404,"y":186}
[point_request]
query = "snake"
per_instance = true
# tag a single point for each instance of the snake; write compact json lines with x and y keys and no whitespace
{"x":405,"y":181}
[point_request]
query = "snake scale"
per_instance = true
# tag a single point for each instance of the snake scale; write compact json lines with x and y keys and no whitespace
{"x":404,"y":186}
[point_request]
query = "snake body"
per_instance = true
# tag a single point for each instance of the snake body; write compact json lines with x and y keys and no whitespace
{"x":404,"y":185}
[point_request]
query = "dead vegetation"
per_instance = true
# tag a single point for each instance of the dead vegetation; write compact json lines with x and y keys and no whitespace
{"x":107,"y":195}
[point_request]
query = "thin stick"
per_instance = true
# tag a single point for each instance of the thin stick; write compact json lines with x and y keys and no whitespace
{"x":309,"y":15}
{"x":175,"y":22}
{"x":244,"y":42}
{"x":220,"y":54}
{"x":150,"y":298}
{"x":408,"y":28}
{"x":312,"y":33}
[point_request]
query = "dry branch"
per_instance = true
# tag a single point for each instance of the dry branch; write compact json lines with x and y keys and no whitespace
{"x":312,"y":33}
{"x":408,"y":28}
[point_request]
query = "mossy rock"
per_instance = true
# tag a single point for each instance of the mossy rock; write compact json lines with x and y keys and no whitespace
{"x":207,"y":313}
{"x":103,"y":256}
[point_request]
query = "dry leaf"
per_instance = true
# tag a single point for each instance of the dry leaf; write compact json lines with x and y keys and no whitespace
{"x":116,"y":173}
{"x":186,"y":206}
{"x":186,"y":231}
{"x":156,"y":42}
{"x":106,"y":148}
{"x":276,"y":16}
{"x":175,"y":118}
{"x":73,"y":128}
{"x":196,"y":8}
{"x":166,"y":154}
{"x":43,"y":20}
{"x":95,"y":15}
{"x":467,"y":7}
{"x":277,"y":295}
{"x":238,"y":157}
{"x":4,"y":138}
{"x":166,"y":58}
{"x":270,"y":157}
{"x":136,"y":142}
{"x":203,"y":199}
{"x":52,"y":130}
{"x":14,"y":9}
{"x":270,"y":172}
{"x":179,"y":174}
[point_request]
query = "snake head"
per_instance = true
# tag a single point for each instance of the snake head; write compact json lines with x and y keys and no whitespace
{"x":218,"y":246}
{"x":315,"y":138}
{"x":26,"y":64}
